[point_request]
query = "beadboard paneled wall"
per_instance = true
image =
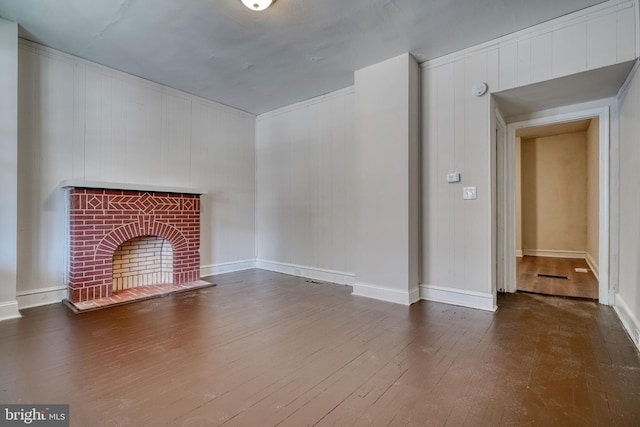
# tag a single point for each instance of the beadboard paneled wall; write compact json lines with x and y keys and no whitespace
{"x":82,"y":121}
{"x":8,"y":167}
{"x":595,"y":37}
{"x":627,"y":301}
{"x":456,"y":238}
{"x":305,"y":184}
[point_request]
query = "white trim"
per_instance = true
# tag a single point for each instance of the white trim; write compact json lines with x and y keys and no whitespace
{"x":471,"y":299}
{"x":506,"y":160}
{"x":569,"y":113}
{"x":519,"y":253}
{"x":414,"y":295}
{"x":315,"y":273}
{"x":256,"y":227}
{"x":554,"y":253}
{"x":42,"y":296}
{"x":306,"y":103}
{"x":79,"y":183}
{"x":226,"y":267}
{"x":623,"y":89}
{"x":604,"y":205}
{"x":637,"y":6}
{"x":386,"y":294}
{"x":498,"y":140}
{"x":629,"y":321}
{"x":9,"y":310}
{"x":565,"y":110}
{"x":591,"y":262}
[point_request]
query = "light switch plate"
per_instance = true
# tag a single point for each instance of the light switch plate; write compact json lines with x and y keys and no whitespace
{"x":469,"y":193}
{"x":453,"y":177}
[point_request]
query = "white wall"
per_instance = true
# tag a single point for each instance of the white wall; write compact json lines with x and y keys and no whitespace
{"x":305,"y":189}
{"x":518,"y":195}
{"x":595,"y":37}
{"x":296,"y":209}
{"x":386,"y":180}
{"x":627,"y":300}
{"x":456,"y":235}
{"x":8,"y":167}
{"x":457,"y":254}
{"x":593,"y":195}
{"x":82,"y":121}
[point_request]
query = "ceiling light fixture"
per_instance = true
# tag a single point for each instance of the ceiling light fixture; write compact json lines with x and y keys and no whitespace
{"x":257,"y":4}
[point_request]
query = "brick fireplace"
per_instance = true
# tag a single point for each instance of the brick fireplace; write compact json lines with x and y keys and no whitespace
{"x":105,"y":220}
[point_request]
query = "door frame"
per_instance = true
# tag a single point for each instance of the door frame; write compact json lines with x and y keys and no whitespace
{"x":506,"y":195}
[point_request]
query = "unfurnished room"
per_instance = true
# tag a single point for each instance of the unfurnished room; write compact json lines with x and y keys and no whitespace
{"x":320,"y":213}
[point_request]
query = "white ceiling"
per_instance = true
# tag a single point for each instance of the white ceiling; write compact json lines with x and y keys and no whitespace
{"x":577,"y":88}
{"x":259,"y":61}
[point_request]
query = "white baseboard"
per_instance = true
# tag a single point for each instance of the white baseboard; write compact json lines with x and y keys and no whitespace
{"x":386,"y":294}
{"x":519,"y":253}
{"x":42,"y":296}
{"x":554,"y":254}
{"x":591,"y":262}
{"x":9,"y":310}
{"x":628,"y":319}
{"x":226,"y":267}
{"x":324,"y":275}
{"x":459,"y":297}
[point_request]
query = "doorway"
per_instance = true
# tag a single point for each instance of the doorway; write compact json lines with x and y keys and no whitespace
{"x":514,"y":247}
{"x":557,"y":188}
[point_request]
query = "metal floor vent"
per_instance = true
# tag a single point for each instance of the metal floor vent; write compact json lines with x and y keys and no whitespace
{"x":553,"y":276}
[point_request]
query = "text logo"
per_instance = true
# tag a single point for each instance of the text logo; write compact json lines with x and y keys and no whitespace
{"x":34,"y":415}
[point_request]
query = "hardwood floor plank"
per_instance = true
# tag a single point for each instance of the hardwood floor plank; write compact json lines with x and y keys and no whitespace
{"x":266,"y":349}
{"x":532,"y":276}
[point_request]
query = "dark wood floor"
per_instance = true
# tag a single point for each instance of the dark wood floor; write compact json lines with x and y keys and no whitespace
{"x":580,"y":285}
{"x":266,"y":349}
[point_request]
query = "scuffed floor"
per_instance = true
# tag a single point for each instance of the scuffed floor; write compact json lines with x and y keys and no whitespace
{"x":266,"y":349}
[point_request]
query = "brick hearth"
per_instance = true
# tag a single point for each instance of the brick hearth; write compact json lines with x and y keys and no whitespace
{"x":103,"y":219}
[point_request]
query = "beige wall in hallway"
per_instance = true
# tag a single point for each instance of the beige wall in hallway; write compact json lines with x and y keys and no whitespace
{"x":554,"y":192}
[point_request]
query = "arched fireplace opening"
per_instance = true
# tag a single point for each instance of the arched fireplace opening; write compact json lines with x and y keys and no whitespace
{"x":142,"y":261}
